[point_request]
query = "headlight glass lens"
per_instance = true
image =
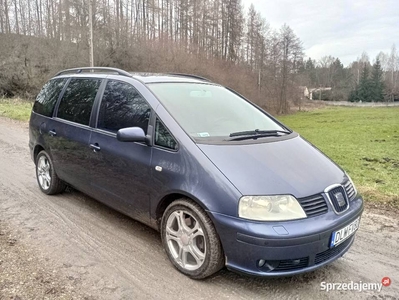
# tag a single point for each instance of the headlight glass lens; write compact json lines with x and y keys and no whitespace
{"x":270,"y":208}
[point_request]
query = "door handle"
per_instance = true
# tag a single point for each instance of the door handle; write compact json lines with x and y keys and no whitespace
{"x":95,"y":147}
{"x":52,"y":133}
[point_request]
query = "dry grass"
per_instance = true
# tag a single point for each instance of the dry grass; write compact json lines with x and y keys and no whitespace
{"x":15,"y":108}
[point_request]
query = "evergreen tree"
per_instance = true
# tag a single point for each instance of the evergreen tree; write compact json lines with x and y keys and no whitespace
{"x":377,"y":82}
{"x":301,"y":66}
{"x":311,"y":71}
{"x":353,"y":96}
{"x":365,"y":90}
{"x":337,"y":70}
{"x":310,"y":64}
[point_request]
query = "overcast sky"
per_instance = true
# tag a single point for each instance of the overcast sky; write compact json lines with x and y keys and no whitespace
{"x":341,"y":28}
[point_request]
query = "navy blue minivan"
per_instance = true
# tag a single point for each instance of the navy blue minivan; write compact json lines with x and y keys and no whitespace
{"x":224,"y":182}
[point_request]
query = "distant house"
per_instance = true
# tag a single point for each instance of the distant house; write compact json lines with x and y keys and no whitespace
{"x":314,"y":93}
{"x":304,"y":92}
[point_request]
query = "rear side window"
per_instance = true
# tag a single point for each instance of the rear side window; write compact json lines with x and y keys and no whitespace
{"x":78,"y":99}
{"x":163,"y":138}
{"x":122,"y":106}
{"x":48,"y":97}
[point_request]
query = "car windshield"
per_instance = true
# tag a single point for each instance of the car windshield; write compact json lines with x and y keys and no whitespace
{"x":211,"y":112}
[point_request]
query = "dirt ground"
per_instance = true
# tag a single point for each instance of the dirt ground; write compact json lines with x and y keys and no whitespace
{"x":73,"y":247}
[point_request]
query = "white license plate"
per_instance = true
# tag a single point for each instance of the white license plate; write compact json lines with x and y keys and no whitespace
{"x":344,"y":233}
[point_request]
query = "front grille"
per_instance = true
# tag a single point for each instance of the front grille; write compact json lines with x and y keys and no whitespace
{"x":292,"y":264}
{"x":350,"y":190}
{"x":326,"y":255}
{"x":314,"y":205}
{"x":338,"y":199}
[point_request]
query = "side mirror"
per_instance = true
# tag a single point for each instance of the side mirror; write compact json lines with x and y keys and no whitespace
{"x":131,"y":134}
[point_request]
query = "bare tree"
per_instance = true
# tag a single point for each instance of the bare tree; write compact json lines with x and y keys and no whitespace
{"x":393,"y":73}
{"x":204,"y":36}
{"x":291,"y":51}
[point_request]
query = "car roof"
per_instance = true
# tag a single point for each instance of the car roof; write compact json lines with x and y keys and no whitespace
{"x":102,"y":72}
{"x":160,"y":77}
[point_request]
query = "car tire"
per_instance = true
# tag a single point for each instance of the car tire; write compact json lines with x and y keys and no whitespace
{"x":190,"y":240}
{"x":48,"y":181}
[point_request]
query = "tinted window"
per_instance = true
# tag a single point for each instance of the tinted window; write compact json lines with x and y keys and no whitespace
{"x":77,"y":102}
{"x":122,"y":106}
{"x":163,"y":138}
{"x":48,"y":97}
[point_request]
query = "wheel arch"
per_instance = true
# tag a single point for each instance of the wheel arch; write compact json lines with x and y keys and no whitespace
{"x":167,"y":199}
{"x":215,"y":257}
{"x":36,"y":151}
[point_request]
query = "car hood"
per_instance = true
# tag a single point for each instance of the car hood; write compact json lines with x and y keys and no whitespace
{"x":291,"y":166}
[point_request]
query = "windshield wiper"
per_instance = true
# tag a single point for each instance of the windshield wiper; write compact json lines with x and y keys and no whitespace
{"x":254,"y":134}
{"x":258,"y":132}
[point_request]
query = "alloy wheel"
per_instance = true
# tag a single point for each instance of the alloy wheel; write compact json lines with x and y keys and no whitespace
{"x":43,"y":172}
{"x":185,"y":239}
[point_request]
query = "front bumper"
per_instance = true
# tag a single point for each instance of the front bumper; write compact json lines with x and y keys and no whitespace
{"x":289,"y":247}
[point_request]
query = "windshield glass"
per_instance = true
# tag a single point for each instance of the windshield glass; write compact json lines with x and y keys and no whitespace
{"x":211,"y":112}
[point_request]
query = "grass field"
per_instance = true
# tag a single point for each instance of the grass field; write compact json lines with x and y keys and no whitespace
{"x":364,"y":141}
{"x":15,"y":108}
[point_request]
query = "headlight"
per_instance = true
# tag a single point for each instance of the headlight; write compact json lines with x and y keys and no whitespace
{"x":270,"y":208}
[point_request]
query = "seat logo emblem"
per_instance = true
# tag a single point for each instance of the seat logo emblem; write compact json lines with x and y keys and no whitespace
{"x":340,"y":199}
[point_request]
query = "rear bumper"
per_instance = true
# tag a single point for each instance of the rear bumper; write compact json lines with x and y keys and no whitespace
{"x":290,"y":247}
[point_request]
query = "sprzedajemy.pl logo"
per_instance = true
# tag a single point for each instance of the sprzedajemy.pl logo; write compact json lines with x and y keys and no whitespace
{"x":355,"y":286}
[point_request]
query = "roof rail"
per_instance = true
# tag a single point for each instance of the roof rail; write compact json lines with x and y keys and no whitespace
{"x":191,"y":76}
{"x":80,"y":70}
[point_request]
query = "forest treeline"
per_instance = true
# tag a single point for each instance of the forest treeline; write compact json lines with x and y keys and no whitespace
{"x":218,"y":39}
